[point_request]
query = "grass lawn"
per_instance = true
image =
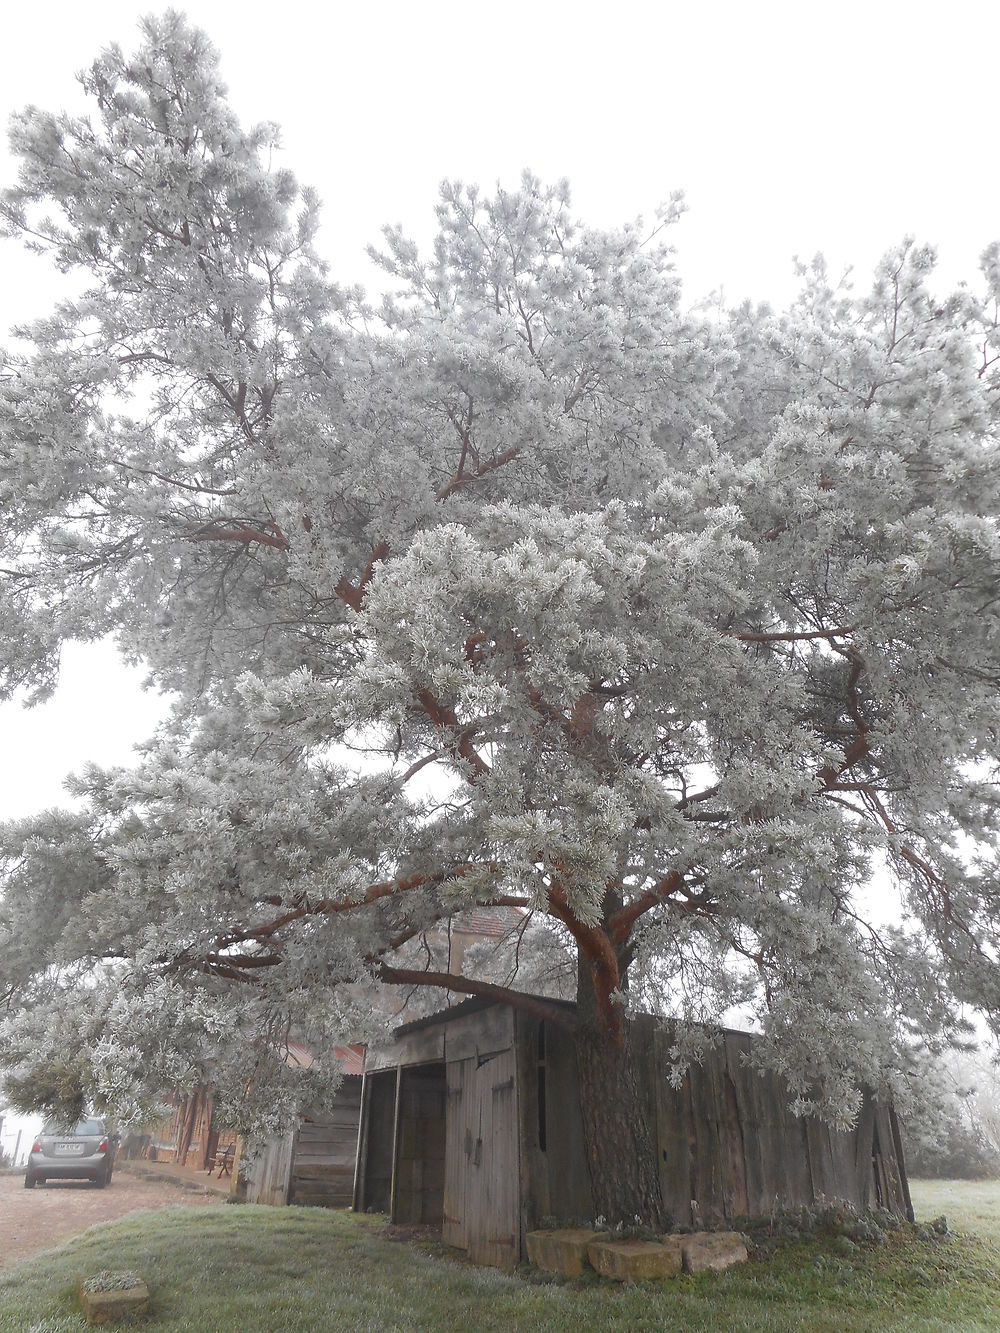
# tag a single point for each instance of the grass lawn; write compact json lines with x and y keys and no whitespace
{"x":267,"y":1270}
{"x":969,"y":1205}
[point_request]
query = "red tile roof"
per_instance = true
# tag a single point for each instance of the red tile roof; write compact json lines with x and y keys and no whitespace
{"x":491,"y":921}
{"x":351,"y":1058}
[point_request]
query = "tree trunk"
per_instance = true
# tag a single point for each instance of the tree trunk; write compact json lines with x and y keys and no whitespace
{"x":187,"y":1126}
{"x":621,"y":1158}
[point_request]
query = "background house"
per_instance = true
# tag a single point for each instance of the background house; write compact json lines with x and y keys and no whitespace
{"x":189,"y":1136}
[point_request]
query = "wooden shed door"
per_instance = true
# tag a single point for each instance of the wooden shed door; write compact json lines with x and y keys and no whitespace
{"x":453,"y":1230}
{"x":482,"y":1171}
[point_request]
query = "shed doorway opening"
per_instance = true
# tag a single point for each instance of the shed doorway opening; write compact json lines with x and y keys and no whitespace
{"x":418,"y":1188}
{"x":378,"y":1132}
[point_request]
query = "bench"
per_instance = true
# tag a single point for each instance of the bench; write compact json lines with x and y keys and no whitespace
{"x":223,"y":1159}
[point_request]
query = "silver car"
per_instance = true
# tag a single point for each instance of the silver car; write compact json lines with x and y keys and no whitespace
{"x":82,"y":1152}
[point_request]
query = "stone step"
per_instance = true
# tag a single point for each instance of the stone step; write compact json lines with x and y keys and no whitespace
{"x":712,"y":1251}
{"x":636,"y":1260}
{"x":569,"y":1250}
{"x":562,"y":1251}
{"x":108,"y":1307}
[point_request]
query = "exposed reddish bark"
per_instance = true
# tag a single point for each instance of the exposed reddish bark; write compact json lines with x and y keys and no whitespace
{"x":855,"y":752}
{"x":267,"y":534}
{"x":620,"y":923}
{"x":462,"y":478}
{"x":460,"y":738}
{"x":621,"y":1158}
{"x":354,"y":594}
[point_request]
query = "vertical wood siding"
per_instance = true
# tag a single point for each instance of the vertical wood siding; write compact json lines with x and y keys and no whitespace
{"x":456,"y":1176}
{"x":374,"y":1191}
{"x":269,"y":1173}
{"x":482,"y":1198}
{"x":725,"y":1139}
{"x":314,"y":1163}
{"x":494,"y":1212}
{"x":507,"y":1122}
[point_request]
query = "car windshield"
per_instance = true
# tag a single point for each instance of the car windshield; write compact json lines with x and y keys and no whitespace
{"x":82,"y":1127}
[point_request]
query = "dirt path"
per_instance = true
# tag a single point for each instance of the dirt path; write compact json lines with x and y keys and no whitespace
{"x":38,"y":1219}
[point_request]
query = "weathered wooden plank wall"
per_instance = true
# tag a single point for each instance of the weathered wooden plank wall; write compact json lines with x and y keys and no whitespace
{"x":326,"y":1151}
{"x":728,"y":1142}
{"x":314,"y":1162}
{"x":482,"y":1191}
{"x":554,"y":1178}
{"x":269,"y":1172}
{"x":374,"y":1187}
{"x":489,"y":1136}
{"x":493,"y":1196}
{"x":725,"y":1139}
{"x":454,"y":1228}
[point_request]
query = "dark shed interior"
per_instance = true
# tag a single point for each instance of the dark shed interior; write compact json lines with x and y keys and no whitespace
{"x":377,"y":1137}
{"x":418,"y":1193}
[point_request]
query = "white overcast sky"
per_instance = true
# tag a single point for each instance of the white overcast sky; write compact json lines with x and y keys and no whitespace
{"x":792,"y":128}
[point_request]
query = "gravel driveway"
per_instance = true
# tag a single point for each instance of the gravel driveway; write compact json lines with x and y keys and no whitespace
{"x":38,"y":1219}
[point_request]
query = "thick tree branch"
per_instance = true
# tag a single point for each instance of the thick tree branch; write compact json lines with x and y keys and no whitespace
{"x":596,"y":946}
{"x":792,"y":636}
{"x":445,"y":719}
{"x":351,"y":593}
{"x":334,"y":906}
{"x":247,"y":961}
{"x":528,"y":1004}
{"x":268,"y":534}
{"x":619,"y":926}
{"x":466,"y":478}
{"x":404,"y":936}
{"x":858,"y":749}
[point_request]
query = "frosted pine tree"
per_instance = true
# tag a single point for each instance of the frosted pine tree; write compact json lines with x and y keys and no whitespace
{"x":530,"y":586}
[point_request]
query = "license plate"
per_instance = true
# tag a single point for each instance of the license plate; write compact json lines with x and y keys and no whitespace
{"x":69,"y":1149}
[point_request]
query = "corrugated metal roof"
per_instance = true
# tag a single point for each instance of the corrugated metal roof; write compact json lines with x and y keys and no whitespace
{"x":298,"y":1055}
{"x":352,"y":1059}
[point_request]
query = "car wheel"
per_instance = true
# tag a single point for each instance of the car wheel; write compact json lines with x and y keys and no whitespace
{"x":29,"y":1181}
{"x":101,"y":1181}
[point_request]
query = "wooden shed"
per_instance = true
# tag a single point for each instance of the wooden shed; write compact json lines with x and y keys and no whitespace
{"x":314,"y":1162}
{"x":471,"y":1119}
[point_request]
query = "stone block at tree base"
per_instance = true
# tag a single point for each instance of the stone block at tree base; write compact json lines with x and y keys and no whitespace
{"x":708,"y":1251}
{"x":633,"y":1260}
{"x":562,"y":1251}
{"x":105,"y":1307}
